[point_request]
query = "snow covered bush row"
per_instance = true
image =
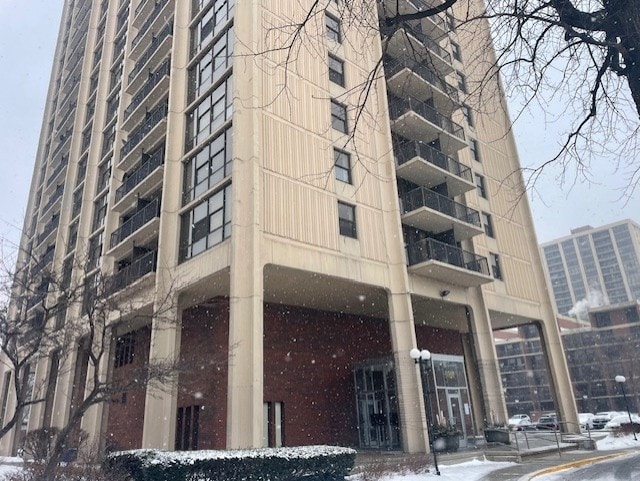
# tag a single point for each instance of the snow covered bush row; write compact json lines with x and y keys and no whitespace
{"x":313,"y":463}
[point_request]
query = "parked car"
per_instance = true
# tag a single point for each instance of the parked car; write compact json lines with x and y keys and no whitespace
{"x":520,"y":422}
{"x":586,"y":421}
{"x":548,"y":422}
{"x":620,"y":419}
{"x":602,"y":418}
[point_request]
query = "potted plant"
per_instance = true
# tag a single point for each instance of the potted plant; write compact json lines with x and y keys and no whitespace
{"x":497,"y":433}
{"x":446,"y":438}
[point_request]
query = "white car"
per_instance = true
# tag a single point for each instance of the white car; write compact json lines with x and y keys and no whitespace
{"x":620,"y":419}
{"x":586,"y":421}
{"x":520,"y":422}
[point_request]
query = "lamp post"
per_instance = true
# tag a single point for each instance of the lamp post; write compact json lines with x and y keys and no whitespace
{"x":621,"y":380}
{"x":584,"y":403}
{"x":420,"y":357}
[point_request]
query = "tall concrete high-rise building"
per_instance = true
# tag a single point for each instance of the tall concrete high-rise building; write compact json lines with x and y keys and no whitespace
{"x":594,"y":266}
{"x":315,"y":201}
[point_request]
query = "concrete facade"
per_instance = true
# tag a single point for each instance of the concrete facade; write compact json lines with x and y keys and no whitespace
{"x":259,"y":190}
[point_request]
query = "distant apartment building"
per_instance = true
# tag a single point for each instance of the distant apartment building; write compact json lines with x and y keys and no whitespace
{"x":594,"y":266}
{"x":597,"y":350}
{"x":310,"y":247}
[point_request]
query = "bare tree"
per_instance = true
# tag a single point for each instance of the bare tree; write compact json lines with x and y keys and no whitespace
{"x":53,"y":316}
{"x":581,"y":55}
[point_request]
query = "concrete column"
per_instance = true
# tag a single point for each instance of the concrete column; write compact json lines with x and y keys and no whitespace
{"x":7,"y":442}
{"x":561,"y":387}
{"x":473,"y":382}
{"x":245,"y":384}
{"x":162,"y":399}
{"x":413,"y":424}
{"x":486,"y":360}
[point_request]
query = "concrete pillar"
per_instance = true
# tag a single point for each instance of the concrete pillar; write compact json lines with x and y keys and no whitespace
{"x":486,"y":360}
{"x":413,"y":423}
{"x":162,"y":399}
{"x":473,"y":382}
{"x":245,"y":383}
{"x":561,"y":387}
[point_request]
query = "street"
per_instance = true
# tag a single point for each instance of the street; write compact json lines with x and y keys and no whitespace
{"x":625,"y":467}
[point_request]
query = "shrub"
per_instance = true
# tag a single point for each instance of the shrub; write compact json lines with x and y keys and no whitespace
{"x":38,"y":444}
{"x":313,"y":463}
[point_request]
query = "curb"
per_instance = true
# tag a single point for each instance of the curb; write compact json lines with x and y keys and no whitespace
{"x":574,"y":464}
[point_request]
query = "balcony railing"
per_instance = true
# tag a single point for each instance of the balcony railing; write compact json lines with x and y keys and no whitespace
{"x":44,"y":260}
{"x":63,"y":140}
{"x":54,"y":197}
{"x":422,"y":70}
{"x":153,"y":118}
{"x":422,"y":197}
{"x":148,"y":53}
{"x":398,"y":107}
{"x":154,"y":161}
{"x":37,"y":297}
{"x":146,"y":89}
{"x":48,"y":229}
{"x":422,"y":5}
{"x":408,"y":150}
{"x":160,"y":4}
{"x":416,"y":31}
{"x":431,"y":249}
{"x":135,"y":222}
{"x":134,"y":271}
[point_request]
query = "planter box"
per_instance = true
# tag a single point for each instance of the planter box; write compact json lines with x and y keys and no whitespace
{"x":497,"y":436}
{"x":446,"y":444}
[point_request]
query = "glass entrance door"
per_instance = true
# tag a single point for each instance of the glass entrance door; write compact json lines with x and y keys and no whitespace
{"x":377,"y":406}
{"x":454,"y":408}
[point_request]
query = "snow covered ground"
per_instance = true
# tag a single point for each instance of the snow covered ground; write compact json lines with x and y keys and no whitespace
{"x":469,"y":471}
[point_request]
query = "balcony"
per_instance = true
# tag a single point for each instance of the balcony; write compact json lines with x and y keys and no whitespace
{"x":44,"y":260}
{"x":51,"y":226}
{"x":447,"y":263}
{"x":141,"y":180}
{"x":412,"y":39}
{"x":54,"y":198}
{"x":434,"y":25}
{"x":420,"y":121}
{"x":150,"y":131}
{"x":153,"y":18}
{"x":429,"y":211}
{"x":406,"y":76}
{"x":136,"y":270}
{"x":134,"y":225}
{"x":157,"y":49}
{"x":152,"y":91}
{"x":426,"y":166}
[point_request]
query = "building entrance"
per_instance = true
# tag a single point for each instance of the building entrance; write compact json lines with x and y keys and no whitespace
{"x":377,"y":405}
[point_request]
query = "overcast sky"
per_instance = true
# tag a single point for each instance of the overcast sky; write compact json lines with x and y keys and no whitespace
{"x":28,"y":31}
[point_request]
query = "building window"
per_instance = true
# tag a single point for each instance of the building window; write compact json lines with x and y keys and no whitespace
{"x":206,"y":225}
{"x":468,"y":115}
{"x":455,"y":50}
{"x":208,"y":167}
{"x":602,"y":319}
{"x":211,"y":65}
{"x":95,"y":251}
{"x":474,"y":147}
{"x":73,"y":236}
{"x":104,"y":174}
{"x":99,"y":212}
{"x":125,"y":349}
{"x":336,"y":70}
{"x":487,"y":221}
{"x":213,"y":111}
{"x":451,"y":22}
{"x":462,"y":82}
{"x":187,"y":428}
{"x":347,"y":220}
{"x":273,"y":429}
{"x":5,"y":395}
{"x":342,"y":164}
{"x":481,"y":188}
{"x":338,"y":116}
{"x":333,"y":28}
{"x":494,"y":265}
{"x":211,"y":23}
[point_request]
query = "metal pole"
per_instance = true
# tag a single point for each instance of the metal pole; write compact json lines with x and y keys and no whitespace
{"x":626,"y":403}
{"x":430,"y":416}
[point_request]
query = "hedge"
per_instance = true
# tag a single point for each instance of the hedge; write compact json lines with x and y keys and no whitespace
{"x":313,"y":463}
